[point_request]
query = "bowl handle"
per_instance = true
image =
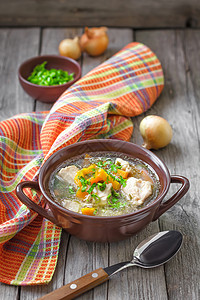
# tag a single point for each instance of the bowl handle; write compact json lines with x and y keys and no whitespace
{"x":29,"y":203}
{"x":175,"y":198}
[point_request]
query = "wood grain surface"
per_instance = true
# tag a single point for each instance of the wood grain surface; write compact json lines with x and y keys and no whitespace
{"x":178,"y":51}
{"x":128,"y":13}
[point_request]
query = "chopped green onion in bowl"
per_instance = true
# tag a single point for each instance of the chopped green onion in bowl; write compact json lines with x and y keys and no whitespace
{"x":44,"y":77}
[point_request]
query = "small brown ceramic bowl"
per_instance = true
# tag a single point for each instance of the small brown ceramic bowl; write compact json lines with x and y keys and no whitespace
{"x":103,"y":229}
{"x":47,"y":93}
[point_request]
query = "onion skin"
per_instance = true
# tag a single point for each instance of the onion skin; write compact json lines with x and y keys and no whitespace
{"x":156,"y":132}
{"x":70,"y":48}
{"x":94,"y":41}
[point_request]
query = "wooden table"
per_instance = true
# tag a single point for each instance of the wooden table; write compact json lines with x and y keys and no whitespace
{"x":179,"y":103}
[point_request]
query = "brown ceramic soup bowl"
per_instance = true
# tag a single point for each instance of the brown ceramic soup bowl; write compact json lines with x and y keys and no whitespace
{"x":103,"y":229}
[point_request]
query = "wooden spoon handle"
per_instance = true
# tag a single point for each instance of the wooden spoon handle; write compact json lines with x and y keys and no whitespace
{"x":78,"y":286}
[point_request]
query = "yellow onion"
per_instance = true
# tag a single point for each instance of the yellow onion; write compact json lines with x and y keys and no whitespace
{"x":70,"y":48}
{"x":94,"y":41}
{"x":156,"y":132}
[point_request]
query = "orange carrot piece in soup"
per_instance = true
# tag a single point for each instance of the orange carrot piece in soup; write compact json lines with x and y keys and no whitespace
{"x":101,"y":175}
{"x":80,"y":194}
{"x":122,"y":173}
{"x":88,"y":211}
{"x":116,"y":185}
{"x":82,"y":173}
{"x":76,"y":178}
{"x":89,"y":169}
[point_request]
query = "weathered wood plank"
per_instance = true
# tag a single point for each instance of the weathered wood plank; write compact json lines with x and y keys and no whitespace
{"x":179,"y":104}
{"x":9,"y":292}
{"x":16,"y":45}
{"x":129,"y":13}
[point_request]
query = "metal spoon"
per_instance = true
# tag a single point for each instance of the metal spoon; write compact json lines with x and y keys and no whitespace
{"x":152,"y":252}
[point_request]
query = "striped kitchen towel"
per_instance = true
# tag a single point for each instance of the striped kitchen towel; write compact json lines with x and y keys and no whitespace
{"x":98,"y":106}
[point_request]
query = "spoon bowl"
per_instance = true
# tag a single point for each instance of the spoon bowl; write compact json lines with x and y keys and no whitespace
{"x":157,"y":249}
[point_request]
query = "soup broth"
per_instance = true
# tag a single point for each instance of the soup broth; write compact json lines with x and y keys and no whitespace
{"x":104,"y":184}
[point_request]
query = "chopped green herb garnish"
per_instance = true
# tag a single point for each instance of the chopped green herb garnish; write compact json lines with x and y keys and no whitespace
{"x":118,"y":166}
{"x":114,"y":200}
{"x":100,"y":164}
{"x":91,"y":188}
{"x":115,"y":203}
{"x":84,"y":183}
{"x":114,"y":193}
{"x":84,"y":188}
{"x":71,"y":190}
{"x":111,"y":175}
{"x":107,"y":162}
{"x":114,"y":168}
{"x":96,"y":198}
{"x":123,"y":181}
{"x":118,"y":179}
{"x":95,"y":212}
{"x":101,"y":186}
{"x":82,"y":180}
{"x":42,"y":76}
{"x":109,"y":196}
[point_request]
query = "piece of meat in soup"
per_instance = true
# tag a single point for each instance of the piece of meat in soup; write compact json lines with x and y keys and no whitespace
{"x":68,"y":173}
{"x":137,"y":190}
